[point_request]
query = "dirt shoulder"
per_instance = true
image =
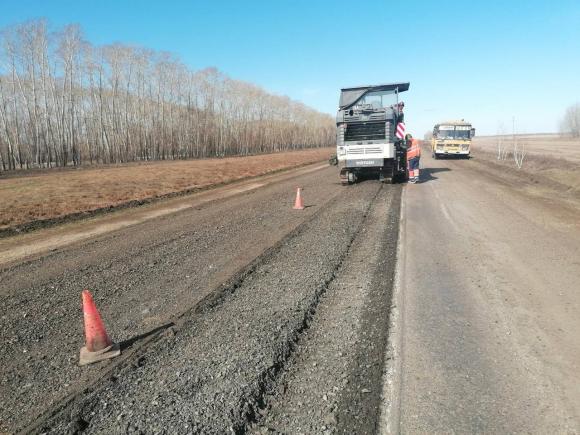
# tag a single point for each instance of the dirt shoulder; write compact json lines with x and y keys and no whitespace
{"x":539,"y":145}
{"x":35,"y":243}
{"x":551,"y":162}
{"x":39,"y":200}
{"x":540,"y":176}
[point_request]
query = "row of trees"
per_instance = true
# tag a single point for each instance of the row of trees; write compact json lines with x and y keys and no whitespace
{"x":66,"y":102}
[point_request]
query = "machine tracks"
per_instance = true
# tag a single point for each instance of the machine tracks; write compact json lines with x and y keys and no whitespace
{"x":331,"y":384}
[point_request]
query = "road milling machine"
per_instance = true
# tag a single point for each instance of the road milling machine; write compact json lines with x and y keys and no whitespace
{"x":369,"y":133}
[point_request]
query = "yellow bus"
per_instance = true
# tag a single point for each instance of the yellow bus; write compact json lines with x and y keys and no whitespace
{"x":452,"y":138}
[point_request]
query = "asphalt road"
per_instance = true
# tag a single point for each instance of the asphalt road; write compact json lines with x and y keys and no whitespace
{"x":450,"y":306}
{"x":488,"y":319}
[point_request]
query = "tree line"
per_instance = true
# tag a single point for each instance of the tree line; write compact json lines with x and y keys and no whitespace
{"x":64,"y":101}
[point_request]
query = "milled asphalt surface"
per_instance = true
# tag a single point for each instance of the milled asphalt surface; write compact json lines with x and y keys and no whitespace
{"x":211,"y":373}
{"x":207,"y":303}
{"x":330,"y":384}
{"x":141,"y":278}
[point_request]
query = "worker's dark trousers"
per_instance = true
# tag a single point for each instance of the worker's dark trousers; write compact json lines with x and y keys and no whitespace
{"x":413,"y":164}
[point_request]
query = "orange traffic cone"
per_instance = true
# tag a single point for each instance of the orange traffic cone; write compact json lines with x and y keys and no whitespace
{"x":299,"y":203}
{"x":98,"y":344}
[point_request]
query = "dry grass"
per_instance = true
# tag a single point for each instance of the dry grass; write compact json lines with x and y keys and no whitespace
{"x":538,"y":145}
{"x":47,"y":195}
{"x":550,"y":160}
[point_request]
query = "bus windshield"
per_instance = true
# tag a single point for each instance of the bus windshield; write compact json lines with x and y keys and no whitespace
{"x":445,"y":134}
{"x":453,"y":132}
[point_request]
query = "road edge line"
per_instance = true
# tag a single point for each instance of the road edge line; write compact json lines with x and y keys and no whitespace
{"x":389,"y":419}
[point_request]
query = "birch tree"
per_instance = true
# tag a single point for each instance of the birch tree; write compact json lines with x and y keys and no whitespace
{"x":66,"y":102}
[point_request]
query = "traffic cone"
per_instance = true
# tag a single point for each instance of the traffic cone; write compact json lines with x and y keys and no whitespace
{"x":98,"y":344}
{"x":299,"y":203}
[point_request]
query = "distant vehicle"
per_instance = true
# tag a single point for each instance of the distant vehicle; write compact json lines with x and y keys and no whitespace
{"x":366,"y":140}
{"x":452,"y":138}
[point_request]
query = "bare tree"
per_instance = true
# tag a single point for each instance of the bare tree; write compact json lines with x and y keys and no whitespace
{"x":519,"y":154}
{"x":502,"y":149}
{"x":571,"y":122}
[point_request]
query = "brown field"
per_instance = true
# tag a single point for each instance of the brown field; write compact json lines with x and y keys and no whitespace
{"x":551,"y":161}
{"x":50,"y":194}
{"x":544,"y":145}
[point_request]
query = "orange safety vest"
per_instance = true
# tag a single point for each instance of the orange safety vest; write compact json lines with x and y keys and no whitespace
{"x":414,"y":150}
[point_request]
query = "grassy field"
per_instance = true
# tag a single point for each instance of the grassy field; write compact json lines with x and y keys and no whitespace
{"x":543,"y":145}
{"x":48,"y":194}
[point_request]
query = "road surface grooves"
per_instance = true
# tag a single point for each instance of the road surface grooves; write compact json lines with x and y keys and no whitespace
{"x":27,"y":245}
{"x":331,"y":384}
{"x":489,"y":309}
{"x":141,"y":276}
{"x":210,"y":374}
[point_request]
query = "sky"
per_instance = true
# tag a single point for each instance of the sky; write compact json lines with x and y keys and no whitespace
{"x":491,"y":62}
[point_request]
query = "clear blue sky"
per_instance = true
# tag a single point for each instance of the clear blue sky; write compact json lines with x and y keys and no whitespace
{"x":484,"y":61}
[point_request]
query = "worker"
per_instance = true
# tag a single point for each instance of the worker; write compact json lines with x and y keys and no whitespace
{"x":413,"y":156}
